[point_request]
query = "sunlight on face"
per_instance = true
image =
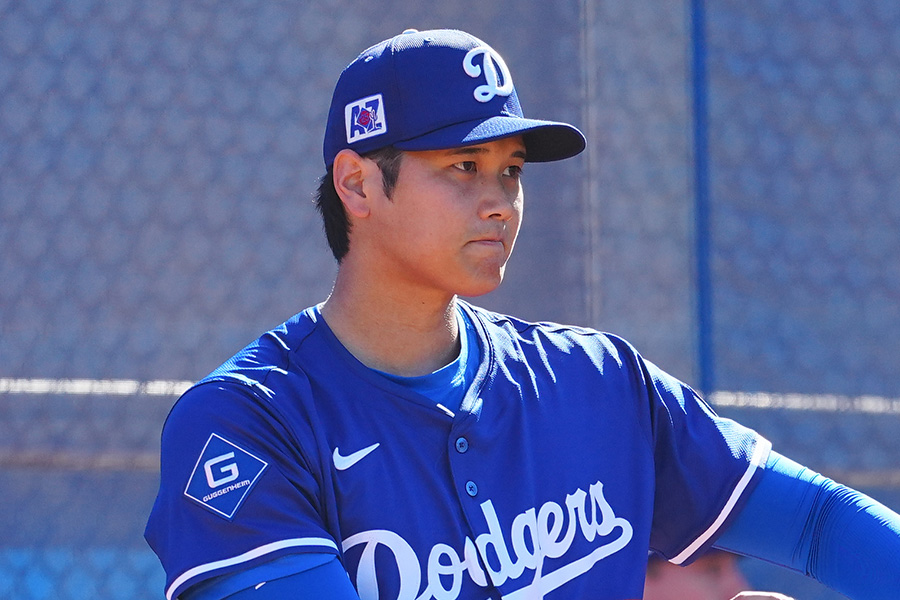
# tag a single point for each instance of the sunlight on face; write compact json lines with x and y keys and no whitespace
{"x":452,"y":220}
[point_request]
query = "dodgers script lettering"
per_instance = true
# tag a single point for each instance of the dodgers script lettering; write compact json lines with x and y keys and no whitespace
{"x":542,"y":532}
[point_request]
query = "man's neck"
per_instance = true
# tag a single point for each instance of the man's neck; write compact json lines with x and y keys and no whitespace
{"x":393,"y":330}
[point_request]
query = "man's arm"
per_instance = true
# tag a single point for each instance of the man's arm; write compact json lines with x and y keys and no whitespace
{"x":326,"y":578}
{"x":804,"y":521}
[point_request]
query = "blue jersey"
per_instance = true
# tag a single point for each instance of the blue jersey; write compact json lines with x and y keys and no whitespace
{"x":569,"y":458}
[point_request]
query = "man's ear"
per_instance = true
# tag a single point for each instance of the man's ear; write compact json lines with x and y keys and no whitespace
{"x":352,"y":174}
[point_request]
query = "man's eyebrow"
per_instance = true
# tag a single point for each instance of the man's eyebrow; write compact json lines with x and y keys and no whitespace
{"x":474,"y":150}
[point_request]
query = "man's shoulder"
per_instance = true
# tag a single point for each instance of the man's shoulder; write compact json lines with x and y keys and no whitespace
{"x":263,"y":366}
{"x":263,"y":378}
{"x":269,"y":352}
{"x":503,"y":325}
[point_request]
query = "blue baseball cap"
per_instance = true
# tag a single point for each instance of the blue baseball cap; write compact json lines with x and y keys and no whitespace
{"x":431,"y":90}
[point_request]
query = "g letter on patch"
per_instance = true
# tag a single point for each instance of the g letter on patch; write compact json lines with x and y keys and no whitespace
{"x":365,"y":118}
{"x":223,"y":476}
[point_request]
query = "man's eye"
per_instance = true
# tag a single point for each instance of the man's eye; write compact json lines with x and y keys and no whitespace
{"x":513,"y":171}
{"x":466,"y":165}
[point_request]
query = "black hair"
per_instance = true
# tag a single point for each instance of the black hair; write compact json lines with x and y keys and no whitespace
{"x":329,"y":204}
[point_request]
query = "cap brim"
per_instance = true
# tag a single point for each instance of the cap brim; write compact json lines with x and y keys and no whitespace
{"x":545,"y":141}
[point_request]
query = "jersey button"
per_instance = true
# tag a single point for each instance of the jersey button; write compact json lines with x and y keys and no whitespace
{"x":471,"y":488}
{"x":462,"y":445}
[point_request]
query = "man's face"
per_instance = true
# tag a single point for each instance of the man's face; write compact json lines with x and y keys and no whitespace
{"x":452,"y":219}
{"x":713,"y":577}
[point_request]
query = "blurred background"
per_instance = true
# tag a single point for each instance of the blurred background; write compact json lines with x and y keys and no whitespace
{"x":736,"y":216}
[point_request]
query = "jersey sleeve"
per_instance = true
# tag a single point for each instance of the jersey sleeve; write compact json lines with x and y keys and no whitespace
{"x":328,"y":580}
{"x":302,"y":572}
{"x":705,"y":467}
{"x":236,"y":488}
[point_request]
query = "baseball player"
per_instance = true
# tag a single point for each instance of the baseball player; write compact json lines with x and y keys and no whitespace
{"x":398,"y":443}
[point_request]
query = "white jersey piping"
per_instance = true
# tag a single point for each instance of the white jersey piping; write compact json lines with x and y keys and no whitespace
{"x":760,"y":453}
{"x":246,"y":556}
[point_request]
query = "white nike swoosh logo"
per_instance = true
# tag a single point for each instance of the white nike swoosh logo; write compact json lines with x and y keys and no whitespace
{"x":342,"y":463}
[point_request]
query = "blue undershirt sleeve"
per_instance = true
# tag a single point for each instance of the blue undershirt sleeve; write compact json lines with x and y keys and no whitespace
{"x":325,"y":581}
{"x":309,"y":577}
{"x":799,"y":519}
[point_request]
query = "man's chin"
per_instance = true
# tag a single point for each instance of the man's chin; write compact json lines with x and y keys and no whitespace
{"x":483,"y":288}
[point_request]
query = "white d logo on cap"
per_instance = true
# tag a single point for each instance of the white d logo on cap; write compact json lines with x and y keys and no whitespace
{"x":487,"y":91}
